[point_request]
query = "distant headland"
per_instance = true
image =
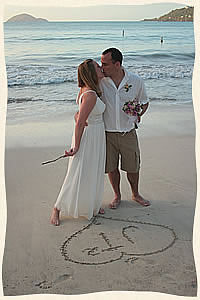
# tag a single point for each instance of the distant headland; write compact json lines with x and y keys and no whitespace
{"x":25,"y":18}
{"x":177,"y":15}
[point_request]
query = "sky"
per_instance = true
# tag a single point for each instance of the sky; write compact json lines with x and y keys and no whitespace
{"x":100,"y":10}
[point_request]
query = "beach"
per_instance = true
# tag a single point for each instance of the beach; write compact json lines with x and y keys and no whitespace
{"x":132,"y":248}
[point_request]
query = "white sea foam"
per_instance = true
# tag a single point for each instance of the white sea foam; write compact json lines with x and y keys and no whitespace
{"x":42,"y":62}
{"x":44,"y":75}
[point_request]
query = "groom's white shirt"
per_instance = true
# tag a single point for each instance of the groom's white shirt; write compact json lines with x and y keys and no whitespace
{"x":115,"y":119}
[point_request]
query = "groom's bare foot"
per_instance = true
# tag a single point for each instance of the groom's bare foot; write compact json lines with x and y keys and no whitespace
{"x":141,"y":200}
{"x":115,"y":203}
{"x":55,"y":219}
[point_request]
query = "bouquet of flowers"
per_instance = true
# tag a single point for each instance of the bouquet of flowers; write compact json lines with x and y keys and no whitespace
{"x":132,"y":108}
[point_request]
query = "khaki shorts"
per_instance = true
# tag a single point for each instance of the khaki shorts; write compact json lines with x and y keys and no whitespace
{"x":124,"y":146}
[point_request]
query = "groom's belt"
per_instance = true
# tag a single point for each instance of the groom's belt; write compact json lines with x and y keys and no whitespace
{"x":121,"y":132}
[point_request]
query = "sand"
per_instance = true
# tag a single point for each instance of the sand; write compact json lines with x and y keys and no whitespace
{"x":132,"y":248}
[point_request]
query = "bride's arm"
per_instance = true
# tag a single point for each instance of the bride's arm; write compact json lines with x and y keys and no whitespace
{"x":76,"y":118}
{"x":88,"y":103}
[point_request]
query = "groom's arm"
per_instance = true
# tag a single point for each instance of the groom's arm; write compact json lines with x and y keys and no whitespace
{"x":143,"y":99}
{"x":144,"y":109}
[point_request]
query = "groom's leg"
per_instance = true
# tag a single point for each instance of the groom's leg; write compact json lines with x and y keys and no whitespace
{"x":130,"y":162}
{"x":133,"y":179}
{"x":112,"y":162}
{"x":114,"y":177}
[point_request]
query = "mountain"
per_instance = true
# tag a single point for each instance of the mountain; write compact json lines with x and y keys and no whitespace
{"x":26,"y":18}
{"x":177,"y":15}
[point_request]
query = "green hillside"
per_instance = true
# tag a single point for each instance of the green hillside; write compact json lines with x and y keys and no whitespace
{"x":26,"y":18}
{"x":177,"y":15}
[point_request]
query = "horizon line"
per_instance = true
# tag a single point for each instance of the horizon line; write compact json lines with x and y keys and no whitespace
{"x":51,"y":21}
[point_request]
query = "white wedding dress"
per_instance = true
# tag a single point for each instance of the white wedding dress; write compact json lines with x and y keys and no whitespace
{"x":82,"y":191}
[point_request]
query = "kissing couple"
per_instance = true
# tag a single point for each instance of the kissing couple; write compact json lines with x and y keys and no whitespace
{"x":105,"y":131}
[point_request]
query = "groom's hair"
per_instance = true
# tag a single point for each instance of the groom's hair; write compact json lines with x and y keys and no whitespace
{"x":115,"y":54}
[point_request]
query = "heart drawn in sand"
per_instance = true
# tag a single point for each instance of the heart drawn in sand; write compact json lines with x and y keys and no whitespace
{"x":106,"y":240}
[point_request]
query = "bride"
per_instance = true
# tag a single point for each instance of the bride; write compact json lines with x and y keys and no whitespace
{"x":82,"y":191}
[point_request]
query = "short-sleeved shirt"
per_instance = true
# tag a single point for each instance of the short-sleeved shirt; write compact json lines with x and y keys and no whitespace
{"x":131,"y":87}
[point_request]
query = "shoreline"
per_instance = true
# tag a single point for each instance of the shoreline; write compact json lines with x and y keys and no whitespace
{"x":169,"y":119}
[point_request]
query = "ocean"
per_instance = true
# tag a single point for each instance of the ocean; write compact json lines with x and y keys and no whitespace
{"x":42,"y":61}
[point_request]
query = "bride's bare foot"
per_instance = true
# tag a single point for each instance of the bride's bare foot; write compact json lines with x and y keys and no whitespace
{"x":101,"y":211}
{"x":141,"y":200}
{"x":115,"y":203}
{"x":55,"y":219}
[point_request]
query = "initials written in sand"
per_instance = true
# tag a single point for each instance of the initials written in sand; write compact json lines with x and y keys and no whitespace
{"x":106,"y":240}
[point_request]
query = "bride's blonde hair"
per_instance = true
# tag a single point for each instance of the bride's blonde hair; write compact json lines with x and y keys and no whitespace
{"x":87,"y":75}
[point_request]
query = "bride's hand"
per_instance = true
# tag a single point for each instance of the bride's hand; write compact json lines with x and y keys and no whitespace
{"x":71,"y":152}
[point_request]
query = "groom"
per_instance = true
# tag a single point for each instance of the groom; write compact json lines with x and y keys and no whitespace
{"x":119,"y":86}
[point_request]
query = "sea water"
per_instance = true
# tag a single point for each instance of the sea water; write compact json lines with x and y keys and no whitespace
{"x":42,"y":61}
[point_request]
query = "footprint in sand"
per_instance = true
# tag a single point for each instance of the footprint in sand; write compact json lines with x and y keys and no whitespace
{"x":45,"y":284}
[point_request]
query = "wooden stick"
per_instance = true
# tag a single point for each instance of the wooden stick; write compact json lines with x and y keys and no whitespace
{"x":53,"y":160}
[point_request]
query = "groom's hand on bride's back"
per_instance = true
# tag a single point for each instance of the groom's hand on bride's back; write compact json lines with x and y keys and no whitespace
{"x":76,"y":118}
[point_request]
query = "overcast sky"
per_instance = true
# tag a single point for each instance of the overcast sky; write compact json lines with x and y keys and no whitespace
{"x":62,"y":12}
